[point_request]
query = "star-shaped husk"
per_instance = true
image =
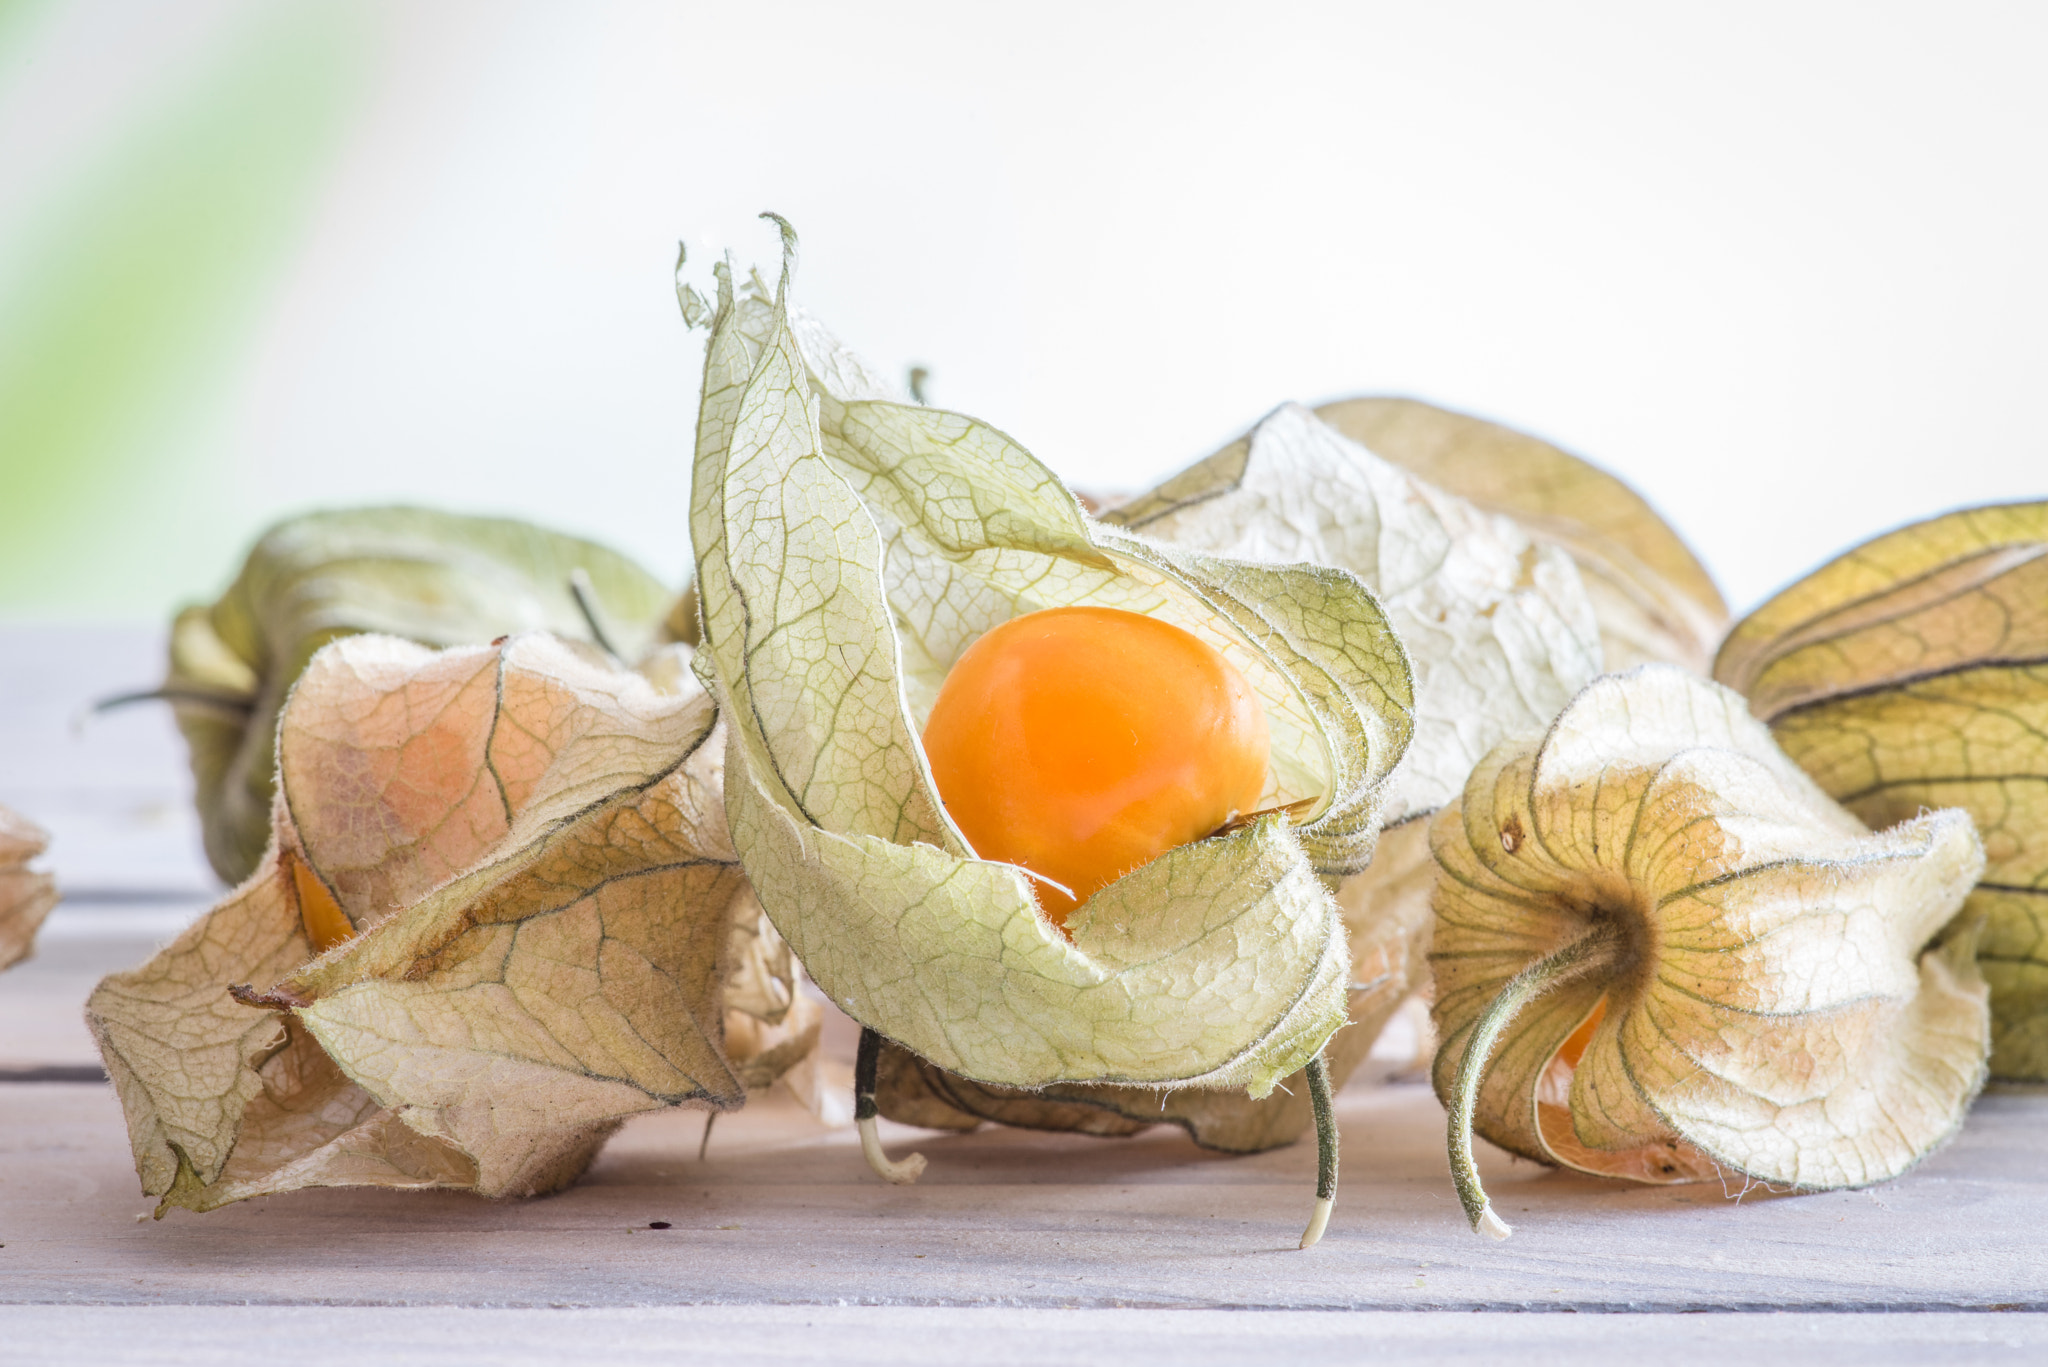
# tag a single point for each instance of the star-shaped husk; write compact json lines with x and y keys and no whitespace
{"x":848,"y":549}
{"x":26,"y":896}
{"x":1913,"y":672}
{"x":493,"y":921}
{"x":437,"y":578}
{"x":1500,"y":634}
{"x":1662,"y":951}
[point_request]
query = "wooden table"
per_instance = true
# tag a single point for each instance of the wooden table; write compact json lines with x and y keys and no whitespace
{"x":1014,"y":1247}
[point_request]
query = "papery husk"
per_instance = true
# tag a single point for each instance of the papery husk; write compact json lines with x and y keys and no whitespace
{"x":1913,"y":672}
{"x":1500,"y":634}
{"x":517,"y":861}
{"x":440,"y":579}
{"x":848,"y":548}
{"x":1499,"y":628}
{"x":1387,"y":918}
{"x":26,"y":896}
{"x":1785,"y":997}
{"x":770,"y":1026}
{"x":1654,"y":599}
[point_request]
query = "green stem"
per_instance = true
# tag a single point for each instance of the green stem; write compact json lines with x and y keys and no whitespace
{"x":1592,"y":950}
{"x":1326,"y":1150}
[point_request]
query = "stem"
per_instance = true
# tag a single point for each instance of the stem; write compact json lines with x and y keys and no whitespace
{"x":585,"y":594}
{"x":196,"y":696}
{"x":1326,"y":1150}
{"x":1594,"y":949}
{"x":704,"y":1144}
{"x":864,"y":1112}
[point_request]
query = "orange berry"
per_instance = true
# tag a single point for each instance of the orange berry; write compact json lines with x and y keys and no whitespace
{"x":1574,"y":1047}
{"x":1083,"y":742}
{"x":327,"y":925}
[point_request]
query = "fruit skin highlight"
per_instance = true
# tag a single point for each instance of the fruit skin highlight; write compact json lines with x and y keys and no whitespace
{"x":1083,"y":742}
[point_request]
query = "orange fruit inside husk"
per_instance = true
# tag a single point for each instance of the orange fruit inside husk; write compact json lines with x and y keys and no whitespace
{"x":1083,"y":742}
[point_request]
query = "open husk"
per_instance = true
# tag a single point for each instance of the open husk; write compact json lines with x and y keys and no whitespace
{"x":848,"y":549}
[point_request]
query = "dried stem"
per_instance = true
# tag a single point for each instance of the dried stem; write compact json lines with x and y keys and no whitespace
{"x":239,"y":704}
{"x":585,"y":594}
{"x":1326,"y":1150}
{"x":1594,"y":949}
{"x":901,"y":1174}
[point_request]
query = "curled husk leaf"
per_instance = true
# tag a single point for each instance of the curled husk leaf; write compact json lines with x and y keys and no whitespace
{"x":1386,"y":919}
{"x":491,"y":924}
{"x":1748,"y":978}
{"x":25,"y":895}
{"x":1500,"y":635}
{"x":437,"y":578}
{"x":1654,"y":599}
{"x":848,"y":549}
{"x":1913,"y":672}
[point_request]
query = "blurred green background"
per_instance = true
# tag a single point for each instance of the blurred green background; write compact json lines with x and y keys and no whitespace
{"x":138,"y":266}
{"x":1778,"y":265}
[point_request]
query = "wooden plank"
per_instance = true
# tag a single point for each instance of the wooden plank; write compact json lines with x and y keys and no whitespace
{"x":112,"y":789}
{"x":42,"y":999}
{"x":856,"y":1336}
{"x":784,"y":1212}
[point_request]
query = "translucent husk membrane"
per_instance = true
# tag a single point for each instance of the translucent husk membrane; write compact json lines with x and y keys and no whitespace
{"x":1913,"y":672}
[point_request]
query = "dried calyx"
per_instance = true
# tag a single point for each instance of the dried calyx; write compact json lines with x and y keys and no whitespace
{"x":436,"y":578}
{"x":26,"y":896}
{"x":849,"y":549}
{"x":1654,"y":600}
{"x":498,"y":914}
{"x":1662,"y":952}
{"x":1913,"y":672}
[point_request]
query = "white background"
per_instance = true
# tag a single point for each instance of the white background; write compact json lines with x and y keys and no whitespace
{"x":1780,"y":265}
